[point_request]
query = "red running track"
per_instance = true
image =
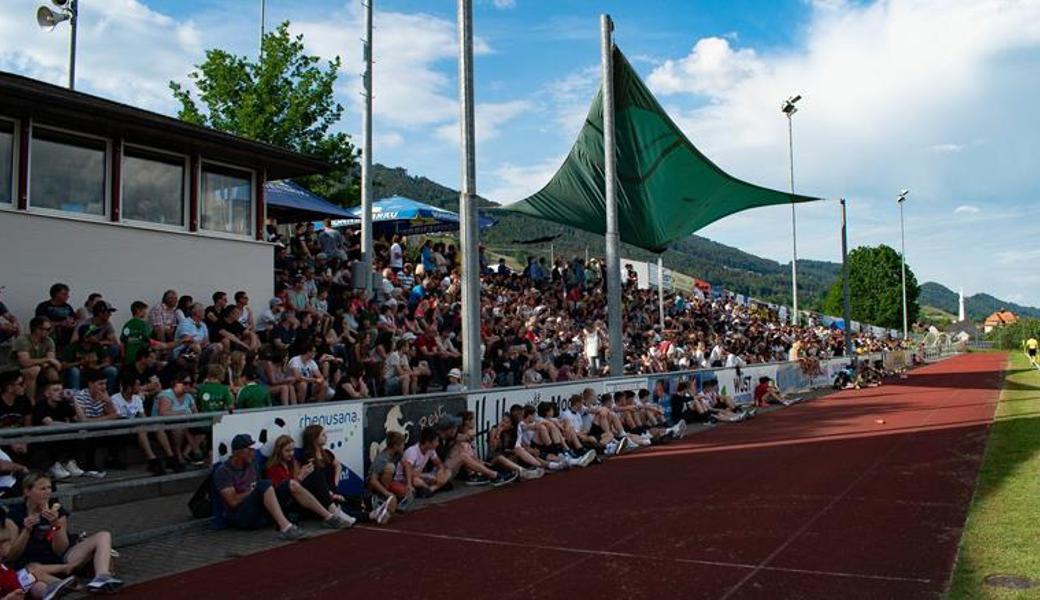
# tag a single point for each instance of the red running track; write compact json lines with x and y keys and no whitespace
{"x":819,"y":500}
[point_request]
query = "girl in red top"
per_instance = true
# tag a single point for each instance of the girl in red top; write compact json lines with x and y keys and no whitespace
{"x":283,"y":469}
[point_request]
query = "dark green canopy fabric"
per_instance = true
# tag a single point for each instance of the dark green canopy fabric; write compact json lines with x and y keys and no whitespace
{"x":666,"y":188}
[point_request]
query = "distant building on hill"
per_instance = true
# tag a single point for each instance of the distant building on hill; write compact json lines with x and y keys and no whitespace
{"x":962,"y":331}
{"x":998,"y":319}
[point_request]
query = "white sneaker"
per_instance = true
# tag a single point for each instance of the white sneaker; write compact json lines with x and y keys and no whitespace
{"x":611,"y":448}
{"x":74,"y":469}
{"x":679,"y":430}
{"x":349,"y":520}
{"x":642,"y":440}
{"x":587,"y":458}
{"x":532,"y":473}
{"x":556,"y":466}
{"x":94,"y":474}
{"x":57,"y":471}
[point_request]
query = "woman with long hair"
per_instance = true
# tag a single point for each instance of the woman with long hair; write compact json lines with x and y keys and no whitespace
{"x":285,"y":471}
{"x":44,"y":538}
{"x":320,"y":470}
{"x":184,"y":304}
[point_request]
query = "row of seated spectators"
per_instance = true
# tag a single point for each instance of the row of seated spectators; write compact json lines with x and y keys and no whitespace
{"x":278,"y":484}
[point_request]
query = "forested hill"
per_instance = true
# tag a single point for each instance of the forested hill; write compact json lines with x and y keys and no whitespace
{"x":734,"y":269}
{"x":697,"y":256}
{"x":978,"y":306}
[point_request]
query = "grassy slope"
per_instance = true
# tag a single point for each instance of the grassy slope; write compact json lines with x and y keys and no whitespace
{"x":1002,"y":535}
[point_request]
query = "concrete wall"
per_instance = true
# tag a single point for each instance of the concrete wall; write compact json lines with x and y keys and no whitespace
{"x":123,"y":263}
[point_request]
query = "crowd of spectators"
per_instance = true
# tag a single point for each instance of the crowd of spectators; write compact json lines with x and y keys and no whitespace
{"x":321,"y":337}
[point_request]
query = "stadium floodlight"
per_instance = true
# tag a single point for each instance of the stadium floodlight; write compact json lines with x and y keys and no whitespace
{"x":788,"y":108}
{"x":48,"y":18}
{"x":902,"y":257}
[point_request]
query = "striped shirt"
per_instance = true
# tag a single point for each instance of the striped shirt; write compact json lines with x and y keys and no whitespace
{"x":92,"y":408}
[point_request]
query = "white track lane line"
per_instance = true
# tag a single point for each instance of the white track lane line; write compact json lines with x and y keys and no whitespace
{"x":610,"y":553}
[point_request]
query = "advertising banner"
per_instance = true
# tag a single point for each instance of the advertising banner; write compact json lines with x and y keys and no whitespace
{"x":342,"y":422}
{"x":409,"y":417}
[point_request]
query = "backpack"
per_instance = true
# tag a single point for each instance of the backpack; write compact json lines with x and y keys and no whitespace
{"x":201,"y":502}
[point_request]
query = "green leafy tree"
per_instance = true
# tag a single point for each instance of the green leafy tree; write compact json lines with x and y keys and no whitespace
{"x":875,"y":288}
{"x":284,"y":99}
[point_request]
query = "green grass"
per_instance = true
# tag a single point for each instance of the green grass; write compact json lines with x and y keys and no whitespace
{"x":1002,"y":535}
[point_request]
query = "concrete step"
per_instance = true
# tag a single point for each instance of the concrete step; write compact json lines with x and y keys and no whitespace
{"x":139,"y":521}
{"x":125,"y":486}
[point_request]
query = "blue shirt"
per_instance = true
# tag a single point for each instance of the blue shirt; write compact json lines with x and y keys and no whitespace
{"x":184,"y":406}
{"x":417,"y":293}
{"x":427,"y":259}
{"x":187,"y":327}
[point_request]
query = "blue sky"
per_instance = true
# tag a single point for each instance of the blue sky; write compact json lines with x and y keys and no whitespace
{"x":931,"y":95}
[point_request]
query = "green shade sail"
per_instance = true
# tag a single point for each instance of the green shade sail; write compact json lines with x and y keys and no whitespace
{"x":666,"y":188}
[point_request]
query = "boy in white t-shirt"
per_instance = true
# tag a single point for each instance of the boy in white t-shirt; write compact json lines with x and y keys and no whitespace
{"x":310,"y":384}
{"x":129,"y":404}
{"x":413,"y":465}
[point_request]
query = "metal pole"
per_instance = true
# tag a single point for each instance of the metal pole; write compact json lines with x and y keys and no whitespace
{"x":467,"y":206}
{"x":794,"y":229}
{"x":660,"y":288}
{"x":366,"y":150}
{"x":263,"y":26}
{"x":73,"y":22}
{"x":613,"y":238}
{"x":902,"y":261}
{"x":847,"y":305}
{"x":552,"y":254}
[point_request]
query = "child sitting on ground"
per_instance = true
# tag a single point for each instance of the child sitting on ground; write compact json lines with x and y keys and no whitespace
{"x":33,"y":581}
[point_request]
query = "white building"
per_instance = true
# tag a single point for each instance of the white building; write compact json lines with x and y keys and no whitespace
{"x":109,"y":198}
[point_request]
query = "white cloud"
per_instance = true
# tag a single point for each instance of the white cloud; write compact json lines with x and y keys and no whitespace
{"x":164,"y":49}
{"x":966,"y":209}
{"x":1018,"y":257}
{"x":712,"y":68}
{"x":410,"y":86}
{"x":490,"y":116}
{"x":516,"y":182}
{"x":888,"y":87}
{"x":569,"y":101}
{"x":878,"y":80}
{"x":505,"y":3}
{"x":385,"y":139}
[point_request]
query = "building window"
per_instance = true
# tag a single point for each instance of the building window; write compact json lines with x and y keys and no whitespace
{"x":226,"y":204}
{"x":6,"y":161}
{"x":153,"y":187}
{"x":67,"y":172}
